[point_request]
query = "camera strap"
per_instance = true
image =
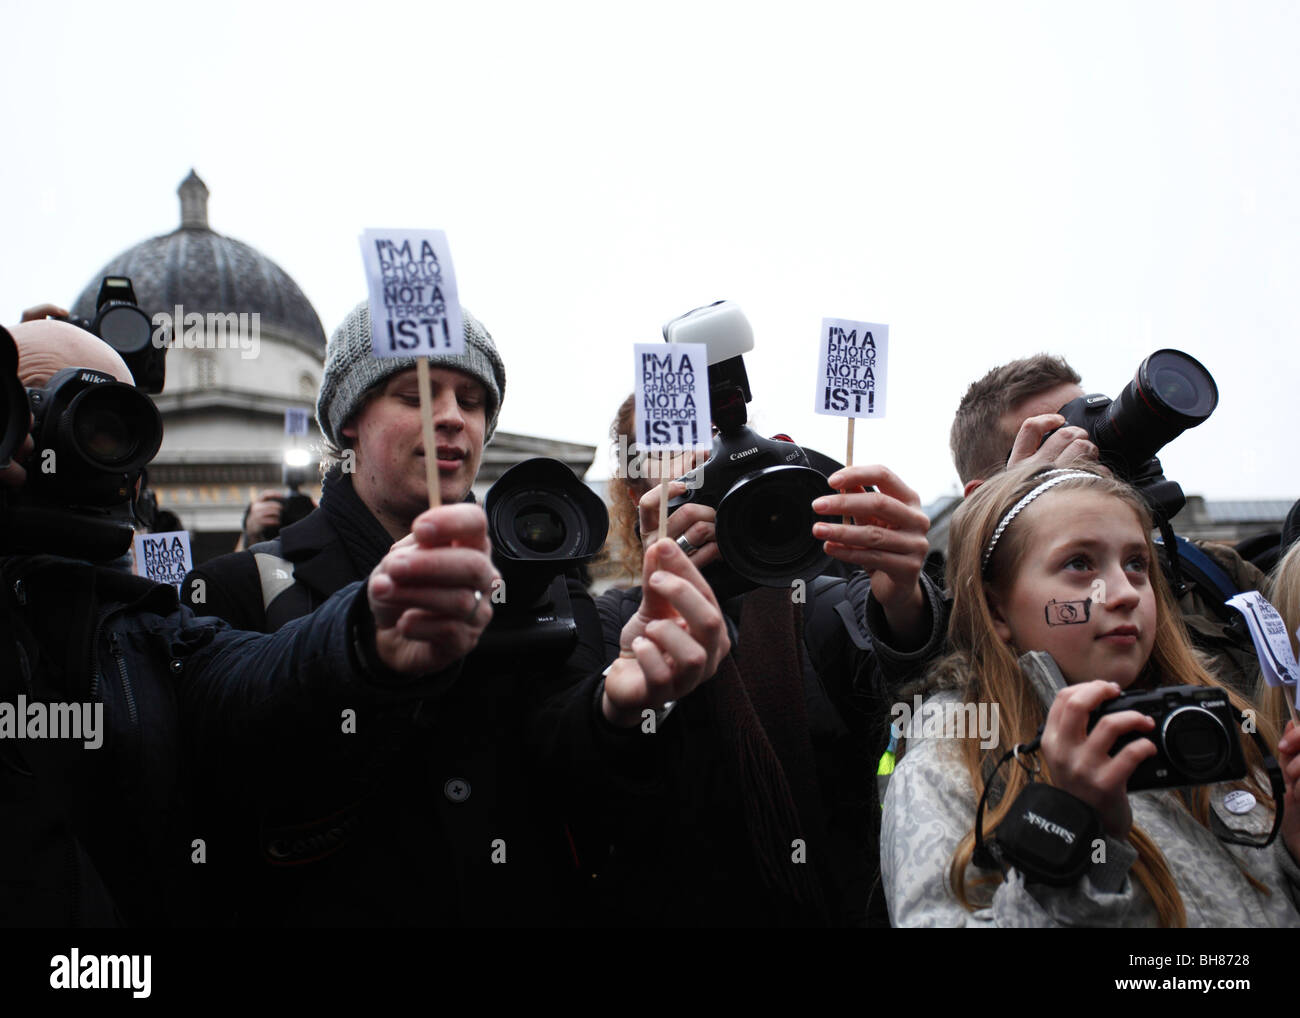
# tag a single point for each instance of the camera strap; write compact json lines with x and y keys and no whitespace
{"x":1234,"y":837}
{"x":1057,"y":812}
{"x":1047,"y":834}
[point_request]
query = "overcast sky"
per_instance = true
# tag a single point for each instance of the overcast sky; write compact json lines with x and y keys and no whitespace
{"x":991,"y":180}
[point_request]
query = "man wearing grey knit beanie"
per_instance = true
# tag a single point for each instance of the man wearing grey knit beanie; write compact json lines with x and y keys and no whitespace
{"x":369,"y":412}
{"x":370,"y":405}
{"x":482,"y":759}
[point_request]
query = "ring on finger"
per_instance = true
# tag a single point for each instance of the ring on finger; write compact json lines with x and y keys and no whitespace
{"x":478,"y":600}
{"x":686,"y":545}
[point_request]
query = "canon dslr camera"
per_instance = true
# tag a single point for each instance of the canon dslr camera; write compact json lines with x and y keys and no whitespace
{"x":762,"y":488}
{"x":1171,"y":392}
{"x":1195,"y":736}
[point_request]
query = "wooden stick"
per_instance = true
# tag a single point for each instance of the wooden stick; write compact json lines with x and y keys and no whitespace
{"x":663,"y":495}
{"x":848,"y":461}
{"x":430,"y":442}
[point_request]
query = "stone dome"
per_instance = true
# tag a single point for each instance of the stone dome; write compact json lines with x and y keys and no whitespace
{"x":208,"y":273}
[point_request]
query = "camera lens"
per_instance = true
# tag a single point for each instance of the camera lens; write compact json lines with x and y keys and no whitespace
{"x":113,"y":427}
{"x":1178,"y":383}
{"x":1175,"y":388}
{"x":1170,"y":393}
{"x":1195,"y":742}
{"x":13,"y":399}
{"x":538,"y":510}
{"x":540,"y":529}
{"x":765,"y":525}
{"x":103,"y":435}
{"x":125,"y":328}
{"x":101,"y":429}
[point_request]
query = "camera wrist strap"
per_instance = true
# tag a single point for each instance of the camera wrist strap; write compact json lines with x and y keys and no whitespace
{"x":987,"y":855}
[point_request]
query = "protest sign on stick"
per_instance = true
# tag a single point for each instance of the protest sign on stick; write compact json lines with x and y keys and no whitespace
{"x":164,"y":558}
{"x":851,"y":373}
{"x":295,"y":421}
{"x":1272,"y":645}
{"x":672,"y":405}
{"x":414,"y":312}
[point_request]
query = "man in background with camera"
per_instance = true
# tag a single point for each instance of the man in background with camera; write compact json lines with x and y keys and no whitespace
{"x":1017,"y":407}
{"x":102,"y":826}
{"x":464,"y":824}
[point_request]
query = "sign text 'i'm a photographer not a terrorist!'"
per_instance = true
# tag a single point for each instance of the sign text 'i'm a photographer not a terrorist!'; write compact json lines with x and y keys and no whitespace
{"x":851,"y":368}
{"x":672,"y":396}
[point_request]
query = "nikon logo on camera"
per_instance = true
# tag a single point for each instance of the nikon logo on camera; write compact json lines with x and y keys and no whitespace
{"x":213,"y":331}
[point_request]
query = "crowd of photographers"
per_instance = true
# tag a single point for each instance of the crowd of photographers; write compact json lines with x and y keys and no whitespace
{"x":387,"y":714}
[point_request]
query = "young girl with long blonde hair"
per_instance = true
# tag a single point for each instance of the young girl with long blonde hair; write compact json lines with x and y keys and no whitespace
{"x":1062,"y":561}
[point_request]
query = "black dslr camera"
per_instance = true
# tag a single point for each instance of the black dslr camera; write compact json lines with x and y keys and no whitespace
{"x":543,"y":524}
{"x":1170,"y":393}
{"x":93,"y":436}
{"x":120,"y":322}
{"x":762,"y":488}
{"x":1195,"y":734}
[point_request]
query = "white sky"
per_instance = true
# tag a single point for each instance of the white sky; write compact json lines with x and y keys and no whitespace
{"x":991,"y":180}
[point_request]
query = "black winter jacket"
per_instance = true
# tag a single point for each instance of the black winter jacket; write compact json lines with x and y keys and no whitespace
{"x":466,"y":822}
{"x":681,"y":857}
{"x":111,"y":835}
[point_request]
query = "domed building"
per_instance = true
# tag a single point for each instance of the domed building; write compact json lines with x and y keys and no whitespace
{"x":253,"y":349}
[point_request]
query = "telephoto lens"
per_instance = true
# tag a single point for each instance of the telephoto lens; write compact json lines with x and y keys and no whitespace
{"x":98,"y":431}
{"x":13,"y":400}
{"x":542,"y":521}
{"x":1171,"y":392}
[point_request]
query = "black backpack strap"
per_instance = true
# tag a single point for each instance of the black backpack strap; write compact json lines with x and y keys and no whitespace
{"x":1206,"y":574}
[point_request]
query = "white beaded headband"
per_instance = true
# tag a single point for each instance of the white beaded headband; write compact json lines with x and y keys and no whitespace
{"x":1055,"y":477}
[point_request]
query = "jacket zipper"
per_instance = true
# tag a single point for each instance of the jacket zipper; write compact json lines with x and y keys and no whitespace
{"x":94,"y":652}
{"x":127,"y":691}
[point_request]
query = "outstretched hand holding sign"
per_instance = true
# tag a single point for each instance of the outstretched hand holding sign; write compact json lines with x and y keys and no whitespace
{"x":674,"y":642}
{"x":430,"y":593}
{"x":884,"y":533}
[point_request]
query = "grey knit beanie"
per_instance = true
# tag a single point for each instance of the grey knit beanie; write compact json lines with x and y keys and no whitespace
{"x":352,"y":370}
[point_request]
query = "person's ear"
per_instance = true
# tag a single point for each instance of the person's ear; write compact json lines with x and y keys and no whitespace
{"x":1000,"y":625}
{"x":969,"y":487}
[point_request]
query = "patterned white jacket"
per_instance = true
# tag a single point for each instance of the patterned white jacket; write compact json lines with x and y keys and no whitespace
{"x":930,"y":806}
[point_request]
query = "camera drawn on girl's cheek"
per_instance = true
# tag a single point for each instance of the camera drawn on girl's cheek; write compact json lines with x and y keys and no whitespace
{"x":1067,"y":613}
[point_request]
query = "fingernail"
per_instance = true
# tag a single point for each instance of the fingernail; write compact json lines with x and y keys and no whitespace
{"x":658,"y":580}
{"x":822,"y":505}
{"x":821,"y":530}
